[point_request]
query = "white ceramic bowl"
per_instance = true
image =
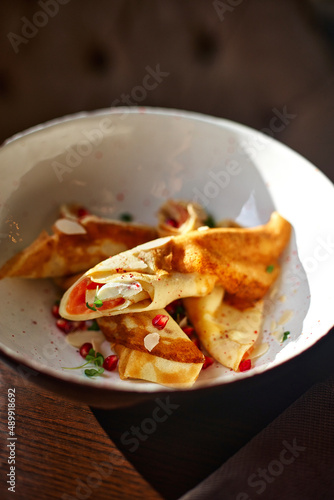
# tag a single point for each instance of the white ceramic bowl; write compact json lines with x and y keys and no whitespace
{"x":131,"y":160}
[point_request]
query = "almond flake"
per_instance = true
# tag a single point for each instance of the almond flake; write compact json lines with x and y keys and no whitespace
{"x":68,"y":226}
{"x":151,"y":340}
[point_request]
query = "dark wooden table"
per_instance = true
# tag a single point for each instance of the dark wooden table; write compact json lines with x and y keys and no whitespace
{"x":155,"y":450}
{"x":61,"y":450}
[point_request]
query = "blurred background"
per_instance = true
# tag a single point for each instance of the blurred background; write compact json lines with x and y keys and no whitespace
{"x":265,"y":63}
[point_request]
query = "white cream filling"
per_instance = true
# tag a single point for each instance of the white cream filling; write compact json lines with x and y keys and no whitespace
{"x":114,"y":289}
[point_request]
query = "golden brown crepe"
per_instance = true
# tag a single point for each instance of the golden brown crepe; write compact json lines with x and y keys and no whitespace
{"x":227,"y":333}
{"x":174,"y":361}
{"x":77,"y":244}
{"x":179,"y":217}
{"x":244,"y":261}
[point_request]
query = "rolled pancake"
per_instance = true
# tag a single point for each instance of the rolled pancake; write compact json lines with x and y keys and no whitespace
{"x":175,"y":361}
{"x":244,"y":261}
{"x":227,"y":333}
{"x":75,"y":246}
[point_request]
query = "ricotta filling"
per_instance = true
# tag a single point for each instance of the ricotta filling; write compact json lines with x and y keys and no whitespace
{"x":115,"y":289}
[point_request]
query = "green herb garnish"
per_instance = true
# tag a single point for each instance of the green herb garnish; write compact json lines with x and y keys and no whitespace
{"x":179,"y":313}
{"x":91,"y":355}
{"x":126,"y":217}
{"x":210,"y":221}
{"x":270,"y":268}
{"x":94,"y":326}
{"x":91,"y":372}
{"x":285,"y":336}
{"x":90,"y":307}
{"x":95,"y":358}
{"x":97,"y":303}
{"x":74,"y":367}
{"x":179,"y":310}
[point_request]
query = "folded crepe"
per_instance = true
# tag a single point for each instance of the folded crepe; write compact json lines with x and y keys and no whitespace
{"x":227,"y":333}
{"x":77,"y":244}
{"x":244,"y":261}
{"x":165,"y":356}
{"x":179,"y":217}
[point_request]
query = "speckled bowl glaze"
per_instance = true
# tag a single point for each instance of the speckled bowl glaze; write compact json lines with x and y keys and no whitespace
{"x":131,"y":160}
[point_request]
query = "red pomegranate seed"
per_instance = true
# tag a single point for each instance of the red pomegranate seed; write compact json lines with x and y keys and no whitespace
{"x":189,"y":330}
{"x":82,"y":212}
{"x":110,"y":363}
{"x":170,"y":308}
{"x":55,"y":311}
{"x":172,"y":222}
{"x":85,"y":348}
{"x":66,"y":326}
{"x":175,"y":307}
{"x":197,"y":343}
{"x":208,"y":362}
{"x":160,"y":321}
{"x":245,"y":365}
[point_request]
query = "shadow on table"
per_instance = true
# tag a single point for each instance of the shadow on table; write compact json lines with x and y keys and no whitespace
{"x":177,"y":440}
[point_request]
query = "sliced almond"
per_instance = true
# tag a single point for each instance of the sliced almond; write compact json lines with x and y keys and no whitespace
{"x":151,"y":340}
{"x":68,"y":226}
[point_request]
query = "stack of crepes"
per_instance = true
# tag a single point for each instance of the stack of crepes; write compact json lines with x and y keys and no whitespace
{"x":221,"y":273}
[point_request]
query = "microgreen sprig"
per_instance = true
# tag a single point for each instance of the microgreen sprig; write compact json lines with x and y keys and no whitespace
{"x":96,"y":358}
{"x":210,"y":221}
{"x":91,"y":372}
{"x":270,"y":268}
{"x":97,"y":302}
{"x":126,"y":217}
{"x":94,"y":326}
{"x":285,"y":336}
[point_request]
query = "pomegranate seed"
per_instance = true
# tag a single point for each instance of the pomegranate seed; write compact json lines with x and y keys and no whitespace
{"x":197,"y":343}
{"x":170,"y":308}
{"x":110,"y":363}
{"x":171,"y":222}
{"x":189,"y":330}
{"x":245,"y":365}
{"x":160,"y":321}
{"x":55,"y":311}
{"x":85,"y":348}
{"x":208,"y":362}
{"x":66,"y":326}
{"x":82,"y":212}
{"x":175,"y":307}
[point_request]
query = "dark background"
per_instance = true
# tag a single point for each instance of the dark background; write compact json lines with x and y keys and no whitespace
{"x":238,"y":59}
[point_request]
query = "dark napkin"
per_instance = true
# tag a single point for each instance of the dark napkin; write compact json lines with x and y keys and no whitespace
{"x":292,"y":458}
